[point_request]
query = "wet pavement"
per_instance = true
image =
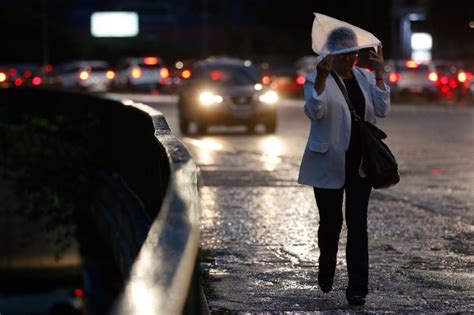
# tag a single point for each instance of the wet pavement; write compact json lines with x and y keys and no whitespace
{"x":259,"y":227}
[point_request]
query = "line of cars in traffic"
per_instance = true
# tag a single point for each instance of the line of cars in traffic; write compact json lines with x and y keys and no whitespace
{"x":132,"y":73}
{"x":436,"y":80}
{"x":223,"y":90}
{"x":219,"y":90}
{"x":142,"y":74}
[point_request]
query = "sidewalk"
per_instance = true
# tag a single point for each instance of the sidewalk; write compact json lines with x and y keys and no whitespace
{"x":262,"y":239}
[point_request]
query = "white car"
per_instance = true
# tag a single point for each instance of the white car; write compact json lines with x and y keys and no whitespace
{"x":407,"y":77}
{"x":87,"y":75}
{"x":142,"y":73}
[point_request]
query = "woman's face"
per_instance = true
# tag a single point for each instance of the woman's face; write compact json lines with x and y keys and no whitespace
{"x":345,"y":62}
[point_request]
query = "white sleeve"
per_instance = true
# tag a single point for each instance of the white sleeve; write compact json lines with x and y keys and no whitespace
{"x":315,"y":105}
{"x":380,"y":98}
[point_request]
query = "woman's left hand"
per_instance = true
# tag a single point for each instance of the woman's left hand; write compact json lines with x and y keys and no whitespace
{"x":376,"y":57}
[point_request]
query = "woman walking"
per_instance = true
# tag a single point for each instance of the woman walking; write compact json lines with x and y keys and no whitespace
{"x":331,"y":162}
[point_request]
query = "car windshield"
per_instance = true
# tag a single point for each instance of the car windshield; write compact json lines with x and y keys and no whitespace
{"x":227,"y":75}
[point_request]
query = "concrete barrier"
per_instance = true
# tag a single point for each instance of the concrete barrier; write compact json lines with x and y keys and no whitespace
{"x":141,"y":232}
{"x":161,"y":276}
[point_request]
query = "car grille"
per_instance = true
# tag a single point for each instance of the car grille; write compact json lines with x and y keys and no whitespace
{"x":241,"y":100}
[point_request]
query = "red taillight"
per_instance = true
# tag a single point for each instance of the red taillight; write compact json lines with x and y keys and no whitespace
{"x":453,"y":84}
{"x":394,"y":77}
{"x":266,"y":79}
{"x":78,"y":292}
{"x":12,"y":71}
{"x":186,"y":74}
{"x":445,"y":89}
{"x":18,"y":82}
{"x":468,"y":79}
{"x":300,"y":79}
{"x":3,"y":77}
{"x":433,"y":76}
{"x":136,"y":72}
{"x":216,"y":75}
{"x":36,"y":81}
{"x":84,"y":75}
{"x":110,"y":74}
{"x":164,"y":73}
{"x":27,"y":74}
{"x":444,"y":80}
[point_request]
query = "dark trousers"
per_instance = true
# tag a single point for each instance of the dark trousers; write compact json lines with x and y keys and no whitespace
{"x":329,"y":203}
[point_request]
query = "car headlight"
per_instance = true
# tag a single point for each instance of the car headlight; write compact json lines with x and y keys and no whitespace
{"x":270,"y":97}
{"x":208,"y":98}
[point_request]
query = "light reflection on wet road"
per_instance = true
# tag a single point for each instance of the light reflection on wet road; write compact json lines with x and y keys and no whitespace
{"x":259,"y":225}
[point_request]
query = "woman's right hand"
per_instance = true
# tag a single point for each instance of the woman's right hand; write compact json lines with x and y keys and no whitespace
{"x":323,"y":68}
{"x":325,"y":65}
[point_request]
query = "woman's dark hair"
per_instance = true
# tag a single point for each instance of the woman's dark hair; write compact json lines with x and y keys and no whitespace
{"x":341,"y":38}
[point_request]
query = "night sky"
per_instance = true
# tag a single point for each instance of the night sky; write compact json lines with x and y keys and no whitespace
{"x":264,"y":27}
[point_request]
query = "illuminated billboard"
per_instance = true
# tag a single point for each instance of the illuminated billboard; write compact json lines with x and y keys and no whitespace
{"x":114,"y":24}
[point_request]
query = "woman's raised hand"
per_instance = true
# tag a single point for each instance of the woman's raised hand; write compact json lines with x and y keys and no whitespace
{"x":377,"y":61}
{"x":325,"y":65}
{"x":323,"y":68}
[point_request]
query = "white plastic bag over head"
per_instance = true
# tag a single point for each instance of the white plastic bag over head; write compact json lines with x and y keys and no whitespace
{"x":333,"y":36}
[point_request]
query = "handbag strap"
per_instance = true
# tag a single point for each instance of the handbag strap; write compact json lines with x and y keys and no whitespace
{"x":346,"y":96}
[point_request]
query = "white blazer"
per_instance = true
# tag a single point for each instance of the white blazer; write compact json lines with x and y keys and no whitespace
{"x":323,"y":163}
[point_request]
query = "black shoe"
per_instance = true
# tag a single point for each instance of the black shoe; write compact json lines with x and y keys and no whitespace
{"x":356,"y":300}
{"x":325,"y":286}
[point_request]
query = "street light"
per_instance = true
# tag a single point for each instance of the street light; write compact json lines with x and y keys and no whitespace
{"x":421,"y":45}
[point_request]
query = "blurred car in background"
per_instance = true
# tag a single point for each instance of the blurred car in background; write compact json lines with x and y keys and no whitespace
{"x":21,"y":75}
{"x":466,"y":75}
{"x":51,"y":77}
{"x":85,"y":75}
{"x":31,"y":75}
{"x":288,"y":81}
{"x":226,"y":91}
{"x":142,"y":73}
{"x":46,"y":301}
{"x":409,"y":78}
{"x":465,"y":82}
{"x":4,"y":77}
{"x":306,"y":64}
{"x":180,"y":72}
{"x":446,"y":79}
{"x":280,"y":75}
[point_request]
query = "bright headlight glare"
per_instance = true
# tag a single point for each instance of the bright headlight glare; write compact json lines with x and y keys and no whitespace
{"x":218,"y":99}
{"x":270,"y":97}
{"x":208,"y":98}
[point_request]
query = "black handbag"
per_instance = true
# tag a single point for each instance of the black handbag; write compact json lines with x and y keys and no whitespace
{"x":378,"y":161}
